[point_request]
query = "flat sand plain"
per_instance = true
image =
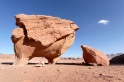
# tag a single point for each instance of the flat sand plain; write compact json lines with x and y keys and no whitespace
{"x":66,"y":70}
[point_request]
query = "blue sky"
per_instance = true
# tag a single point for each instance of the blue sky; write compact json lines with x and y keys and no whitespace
{"x":101,"y":22}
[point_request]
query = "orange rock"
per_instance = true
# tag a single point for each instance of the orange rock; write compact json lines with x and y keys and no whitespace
{"x":40,"y":35}
{"x":94,"y":57}
{"x":45,"y":29}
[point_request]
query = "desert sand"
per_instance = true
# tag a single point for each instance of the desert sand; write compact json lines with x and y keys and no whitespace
{"x":66,"y":70}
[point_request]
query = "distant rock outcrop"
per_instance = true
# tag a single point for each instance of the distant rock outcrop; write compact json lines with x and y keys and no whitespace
{"x":40,"y":35}
{"x":94,"y":57}
{"x":117,"y":59}
{"x":110,"y":56}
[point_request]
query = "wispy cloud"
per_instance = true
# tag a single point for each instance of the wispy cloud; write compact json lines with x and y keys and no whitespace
{"x":105,"y":22}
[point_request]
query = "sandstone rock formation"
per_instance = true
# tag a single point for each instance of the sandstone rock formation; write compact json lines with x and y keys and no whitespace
{"x":94,"y":57}
{"x":40,"y":35}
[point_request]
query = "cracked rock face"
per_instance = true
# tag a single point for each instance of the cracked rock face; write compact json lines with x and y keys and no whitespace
{"x":43,"y":29}
{"x":47,"y":35}
{"x":94,"y":57}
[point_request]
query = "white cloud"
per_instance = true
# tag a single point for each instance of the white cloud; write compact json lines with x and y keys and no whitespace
{"x":105,"y":22}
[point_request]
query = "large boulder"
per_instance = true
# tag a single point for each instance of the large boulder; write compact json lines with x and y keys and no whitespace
{"x":40,"y":35}
{"x":117,"y":59}
{"x":94,"y":57}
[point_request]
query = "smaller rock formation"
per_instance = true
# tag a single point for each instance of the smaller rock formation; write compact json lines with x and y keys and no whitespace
{"x":94,"y":57}
{"x":117,"y":59}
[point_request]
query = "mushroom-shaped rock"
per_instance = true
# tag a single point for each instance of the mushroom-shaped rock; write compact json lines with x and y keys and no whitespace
{"x":94,"y":57}
{"x":40,"y":35}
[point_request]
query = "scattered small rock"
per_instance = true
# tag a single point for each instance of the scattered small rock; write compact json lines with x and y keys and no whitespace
{"x":59,"y":70}
{"x":40,"y":64}
{"x":50,"y":76}
{"x":102,"y":74}
{"x":76,"y":72}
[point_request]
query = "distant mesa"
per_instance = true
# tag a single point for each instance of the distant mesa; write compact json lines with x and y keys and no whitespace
{"x":94,"y":57}
{"x":41,"y":35}
{"x":117,"y":59}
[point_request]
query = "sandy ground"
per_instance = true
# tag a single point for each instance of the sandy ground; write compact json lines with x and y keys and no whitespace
{"x":63,"y":71}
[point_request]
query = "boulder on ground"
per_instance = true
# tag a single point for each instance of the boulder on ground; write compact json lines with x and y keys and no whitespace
{"x":117,"y":59}
{"x":94,"y":57}
{"x":40,"y":35}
